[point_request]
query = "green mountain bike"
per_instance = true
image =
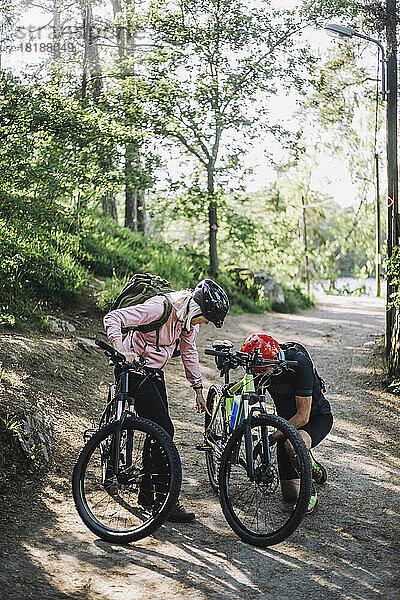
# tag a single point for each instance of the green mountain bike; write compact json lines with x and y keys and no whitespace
{"x":242,"y":456}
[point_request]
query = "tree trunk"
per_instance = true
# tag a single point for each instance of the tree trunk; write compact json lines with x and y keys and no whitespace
{"x":93,"y":78}
{"x":392,"y":329}
{"x":131,"y":219}
{"x":212,"y":220}
{"x":135,"y":216}
{"x":141,"y":212}
{"x":394,"y":356}
{"x":57,"y":35}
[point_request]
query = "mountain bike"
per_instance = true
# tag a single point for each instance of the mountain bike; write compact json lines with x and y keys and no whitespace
{"x":128,"y":475}
{"x":242,"y":455}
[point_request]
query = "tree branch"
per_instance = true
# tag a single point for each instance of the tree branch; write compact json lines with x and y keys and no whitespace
{"x":251,"y":69}
{"x":183,"y":140}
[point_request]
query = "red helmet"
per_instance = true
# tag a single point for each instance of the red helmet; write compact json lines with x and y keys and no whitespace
{"x":269,"y":347}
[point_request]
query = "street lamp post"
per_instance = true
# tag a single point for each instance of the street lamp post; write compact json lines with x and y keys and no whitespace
{"x":389,"y":93}
{"x":378,"y":255}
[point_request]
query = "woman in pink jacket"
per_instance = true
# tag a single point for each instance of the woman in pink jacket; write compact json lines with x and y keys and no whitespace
{"x":208,"y":302}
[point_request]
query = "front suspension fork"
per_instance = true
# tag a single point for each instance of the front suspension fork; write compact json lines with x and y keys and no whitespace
{"x":249,"y":446}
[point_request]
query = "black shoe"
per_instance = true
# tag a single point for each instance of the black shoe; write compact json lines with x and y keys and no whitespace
{"x":180,"y":515}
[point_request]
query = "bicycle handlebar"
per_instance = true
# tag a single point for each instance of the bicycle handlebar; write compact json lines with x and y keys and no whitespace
{"x":116,"y":356}
{"x":242,"y":357}
{"x":216,"y":352}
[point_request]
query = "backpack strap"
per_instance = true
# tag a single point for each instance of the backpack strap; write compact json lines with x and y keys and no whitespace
{"x":154,"y":325}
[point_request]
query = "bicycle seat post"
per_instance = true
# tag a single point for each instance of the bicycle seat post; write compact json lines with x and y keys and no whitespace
{"x":226,"y":374}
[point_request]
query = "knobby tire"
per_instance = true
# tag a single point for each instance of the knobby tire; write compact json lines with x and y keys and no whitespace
{"x":276,"y":520}
{"x":98,"y":501}
{"x":218,"y":432}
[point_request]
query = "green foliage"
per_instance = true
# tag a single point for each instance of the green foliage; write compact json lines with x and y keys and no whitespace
{"x":61,"y":155}
{"x":243,"y":293}
{"x":203,"y":79}
{"x":393,"y":274}
{"x":10,"y":454}
{"x":295,"y":300}
{"x":39,"y":262}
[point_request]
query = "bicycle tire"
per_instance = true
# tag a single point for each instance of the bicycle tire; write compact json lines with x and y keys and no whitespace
{"x":109,"y":415}
{"x":218,"y":432}
{"x":276,"y":520}
{"x":111,"y":509}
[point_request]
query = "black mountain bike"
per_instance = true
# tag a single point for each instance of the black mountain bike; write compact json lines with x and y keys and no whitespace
{"x":128,"y":475}
{"x":242,"y":456}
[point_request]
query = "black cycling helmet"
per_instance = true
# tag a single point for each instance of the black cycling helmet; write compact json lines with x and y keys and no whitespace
{"x":212,"y":300}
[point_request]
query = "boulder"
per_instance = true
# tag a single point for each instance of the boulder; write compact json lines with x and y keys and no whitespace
{"x":270,"y":288}
{"x":58,"y":325}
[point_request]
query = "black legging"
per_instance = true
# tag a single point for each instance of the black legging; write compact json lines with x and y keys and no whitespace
{"x":151,"y":401}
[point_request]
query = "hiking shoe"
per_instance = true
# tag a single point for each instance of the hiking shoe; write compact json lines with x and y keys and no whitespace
{"x":312,"y":503}
{"x":319,"y":473}
{"x":180,"y":515}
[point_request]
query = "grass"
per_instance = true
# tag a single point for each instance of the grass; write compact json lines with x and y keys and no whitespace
{"x":48,"y":261}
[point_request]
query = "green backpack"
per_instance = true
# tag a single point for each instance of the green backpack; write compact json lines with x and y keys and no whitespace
{"x":137,"y":290}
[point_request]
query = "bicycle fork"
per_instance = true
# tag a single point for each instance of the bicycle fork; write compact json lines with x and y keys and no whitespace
{"x":250,"y":447}
{"x":121,"y":417}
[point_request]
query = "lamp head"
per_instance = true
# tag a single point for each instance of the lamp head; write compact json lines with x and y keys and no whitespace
{"x":339,"y":31}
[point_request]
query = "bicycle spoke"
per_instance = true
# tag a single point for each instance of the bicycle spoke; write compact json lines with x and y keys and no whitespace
{"x":256,"y":509}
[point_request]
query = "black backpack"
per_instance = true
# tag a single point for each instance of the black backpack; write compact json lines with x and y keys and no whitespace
{"x":290,"y":348}
{"x":142,"y":287}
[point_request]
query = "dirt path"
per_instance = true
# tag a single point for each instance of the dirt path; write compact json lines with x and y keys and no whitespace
{"x":347,"y":550}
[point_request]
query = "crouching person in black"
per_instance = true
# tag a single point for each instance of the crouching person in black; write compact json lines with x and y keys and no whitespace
{"x":298,"y":397}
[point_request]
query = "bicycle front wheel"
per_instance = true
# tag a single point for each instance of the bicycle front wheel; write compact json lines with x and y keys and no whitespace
{"x":256,"y":510}
{"x":131,"y":504}
{"x":217,"y":434}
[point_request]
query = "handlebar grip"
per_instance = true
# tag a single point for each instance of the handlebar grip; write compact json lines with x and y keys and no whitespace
{"x":291,"y":363}
{"x":114,"y":353}
{"x":215,"y":352}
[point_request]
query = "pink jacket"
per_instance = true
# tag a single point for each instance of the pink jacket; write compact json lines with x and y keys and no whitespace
{"x":144,"y":344}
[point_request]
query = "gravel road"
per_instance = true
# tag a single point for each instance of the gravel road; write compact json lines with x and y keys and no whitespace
{"x":347,"y":550}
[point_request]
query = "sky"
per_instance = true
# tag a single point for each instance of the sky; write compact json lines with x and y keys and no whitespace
{"x":331,"y":176}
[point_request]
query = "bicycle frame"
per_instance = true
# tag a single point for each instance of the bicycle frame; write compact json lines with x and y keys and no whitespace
{"x":246,"y":387}
{"x":122,"y":398}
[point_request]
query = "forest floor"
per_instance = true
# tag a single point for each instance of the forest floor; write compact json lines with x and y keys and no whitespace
{"x":347,"y":550}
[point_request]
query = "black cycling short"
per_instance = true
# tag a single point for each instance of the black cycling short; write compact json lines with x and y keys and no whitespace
{"x":317,"y":428}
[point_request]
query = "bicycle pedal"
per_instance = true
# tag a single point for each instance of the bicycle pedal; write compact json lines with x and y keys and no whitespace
{"x":203,"y":447}
{"x":87,"y":434}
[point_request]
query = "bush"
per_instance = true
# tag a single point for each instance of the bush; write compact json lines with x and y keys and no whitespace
{"x":295,"y":300}
{"x":50,"y":259}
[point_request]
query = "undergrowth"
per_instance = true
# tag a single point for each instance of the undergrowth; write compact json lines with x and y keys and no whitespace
{"x":48,"y":257}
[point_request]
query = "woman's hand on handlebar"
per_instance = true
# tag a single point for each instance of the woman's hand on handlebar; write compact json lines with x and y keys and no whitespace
{"x":201,"y":405}
{"x":130,"y":357}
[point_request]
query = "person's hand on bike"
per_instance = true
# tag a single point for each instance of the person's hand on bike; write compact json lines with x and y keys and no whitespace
{"x":201,"y":403}
{"x":130,"y":357}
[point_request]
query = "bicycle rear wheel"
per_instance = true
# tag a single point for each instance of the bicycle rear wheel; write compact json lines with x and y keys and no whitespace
{"x":149,"y":465}
{"x":256,"y":510}
{"x":217,"y":435}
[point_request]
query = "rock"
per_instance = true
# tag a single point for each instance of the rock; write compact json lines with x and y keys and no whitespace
{"x":36,"y":434}
{"x":270,"y":288}
{"x":86,"y":342}
{"x":58,"y":325}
